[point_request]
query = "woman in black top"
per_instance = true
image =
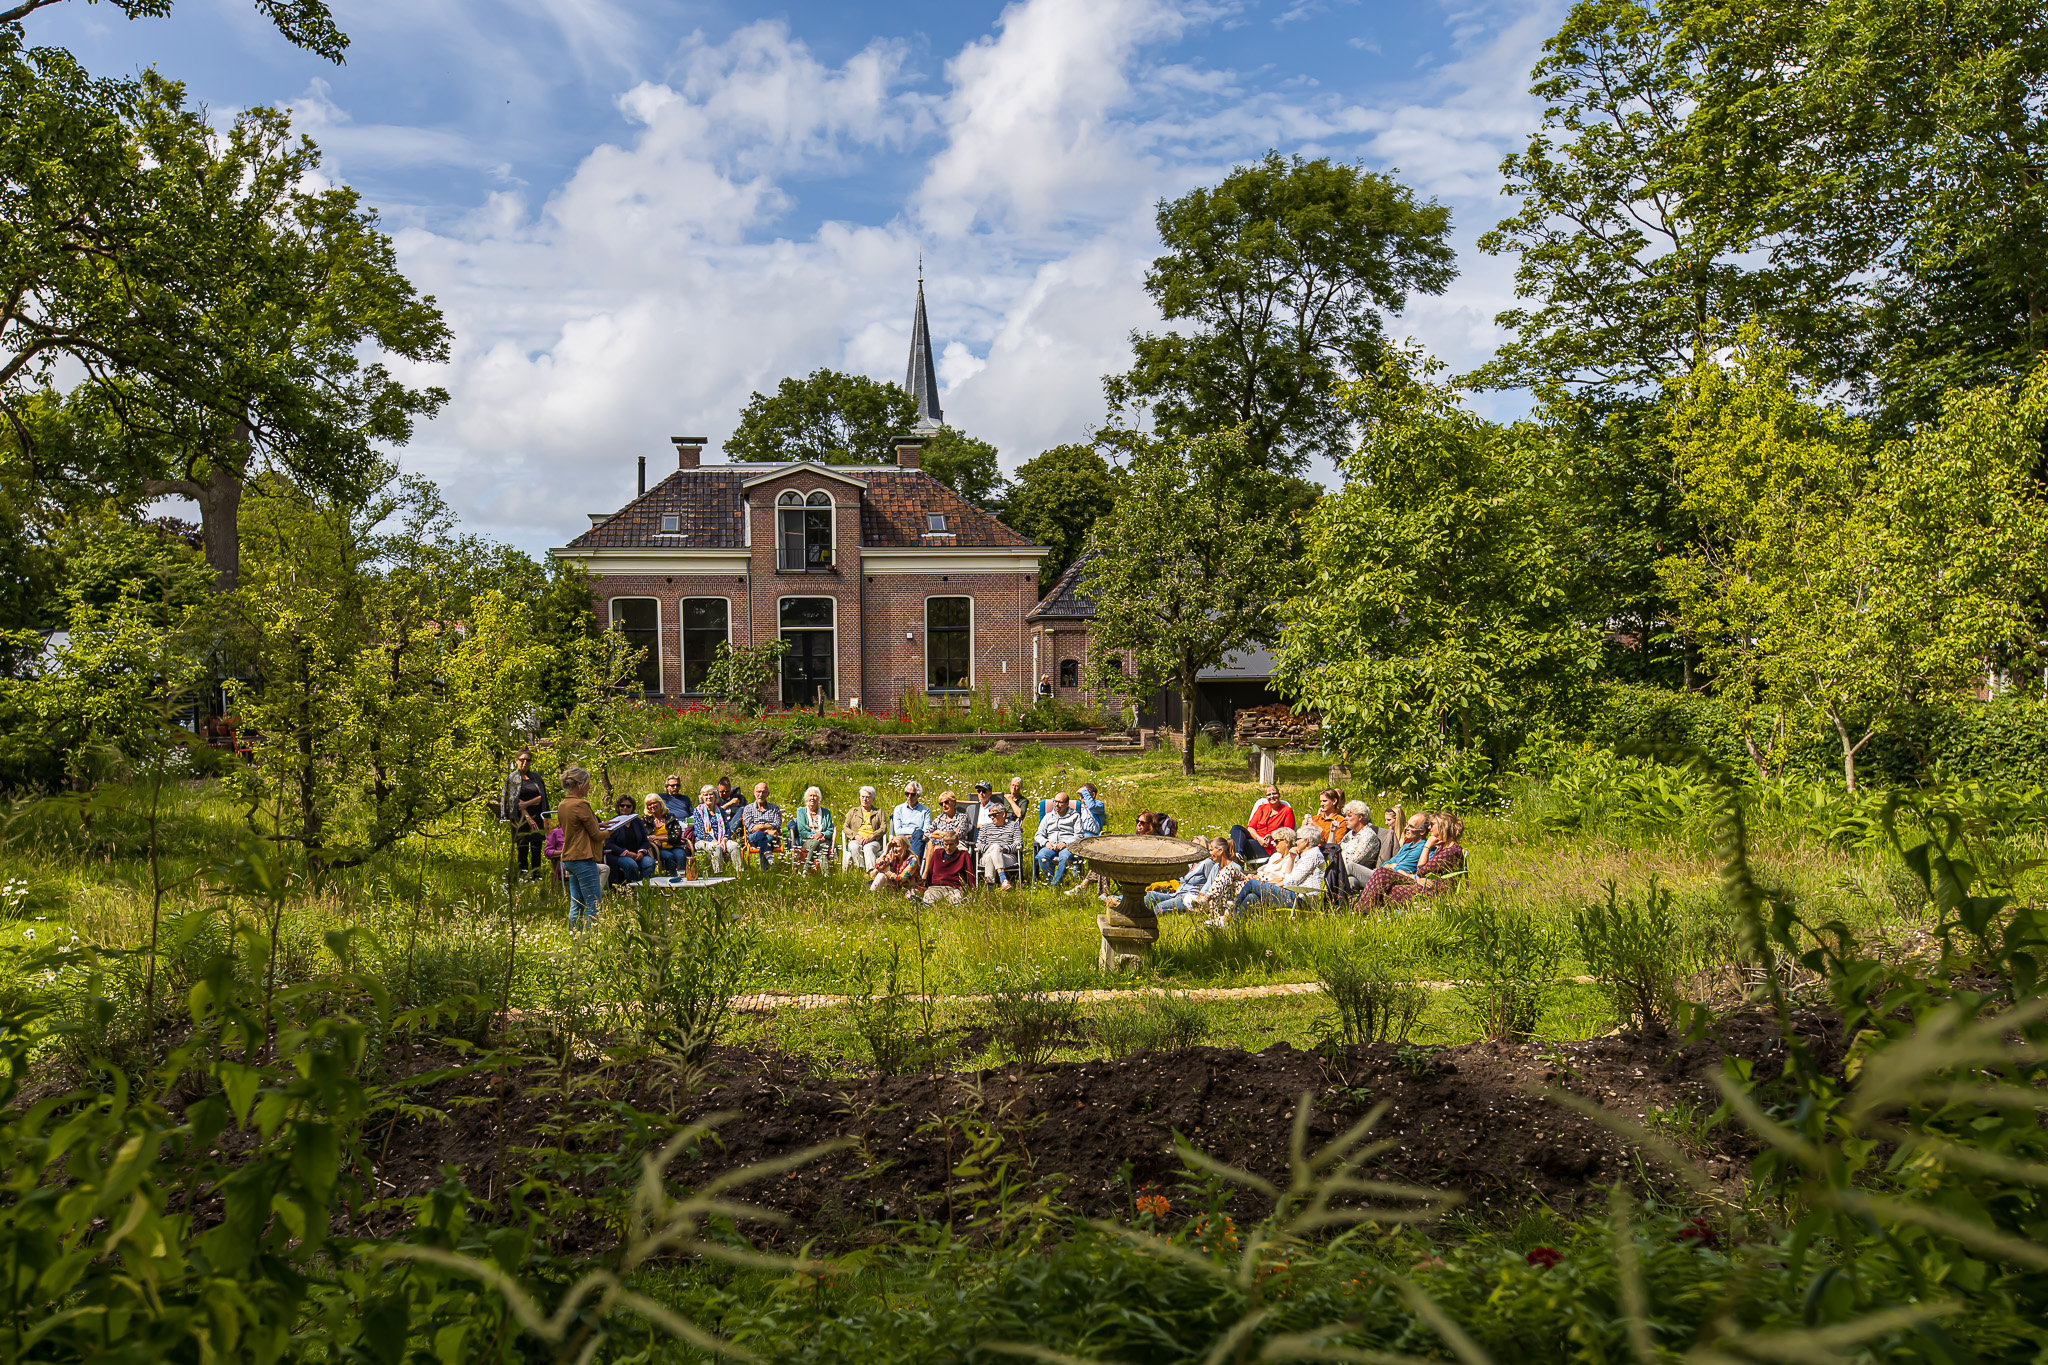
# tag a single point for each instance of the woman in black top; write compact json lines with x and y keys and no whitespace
{"x":527,"y":798}
{"x":627,"y":850}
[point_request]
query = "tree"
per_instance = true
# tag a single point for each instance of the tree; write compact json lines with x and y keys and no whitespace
{"x":828,"y":416}
{"x":1056,"y":498}
{"x":1283,"y":272}
{"x":1437,"y":619}
{"x":1179,"y":574}
{"x":225,"y":316}
{"x":967,"y":466}
{"x":1840,"y":578}
{"x":741,"y":678}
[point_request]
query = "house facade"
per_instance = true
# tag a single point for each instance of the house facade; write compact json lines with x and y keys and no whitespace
{"x":882,"y":579}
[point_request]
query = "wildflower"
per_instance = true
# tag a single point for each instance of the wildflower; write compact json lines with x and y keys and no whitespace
{"x":1700,"y":1233}
{"x":1545,"y":1257}
{"x":29,"y":934}
{"x":1153,"y":1205}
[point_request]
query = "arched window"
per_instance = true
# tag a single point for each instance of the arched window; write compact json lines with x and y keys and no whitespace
{"x":1070,"y":673}
{"x":803,"y":532}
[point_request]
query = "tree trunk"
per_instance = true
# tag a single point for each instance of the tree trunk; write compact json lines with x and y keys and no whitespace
{"x":1187,"y":721}
{"x":1848,"y":752}
{"x":219,"y":497}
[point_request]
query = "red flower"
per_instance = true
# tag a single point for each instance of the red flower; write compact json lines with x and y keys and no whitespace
{"x":1700,"y":1233}
{"x":1545,"y":1257}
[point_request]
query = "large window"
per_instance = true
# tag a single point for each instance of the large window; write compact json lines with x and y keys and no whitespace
{"x":948,"y":642}
{"x":706,"y":626}
{"x":1070,"y":673}
{"x":803,"y":532}
{"x":807,"y":669}
{"x":639,"y":620}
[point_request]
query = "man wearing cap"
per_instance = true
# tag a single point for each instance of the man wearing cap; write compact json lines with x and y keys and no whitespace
{"x":912,"y":820}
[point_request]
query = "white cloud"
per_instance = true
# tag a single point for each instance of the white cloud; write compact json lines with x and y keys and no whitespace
{"x":661,"y":283}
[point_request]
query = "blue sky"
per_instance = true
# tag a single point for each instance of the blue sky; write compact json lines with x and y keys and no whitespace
{"x":635,"y":214}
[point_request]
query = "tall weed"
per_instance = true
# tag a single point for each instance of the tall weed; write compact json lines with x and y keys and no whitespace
{"x":1508,"y":963}
{"x":1638,"y":954}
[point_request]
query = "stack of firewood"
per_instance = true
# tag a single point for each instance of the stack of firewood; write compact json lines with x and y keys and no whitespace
{"x":1267,"y":724}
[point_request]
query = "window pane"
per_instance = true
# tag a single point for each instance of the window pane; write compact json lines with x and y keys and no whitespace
{"x":1070,"y":673}
{"x":948,"y":643}
{"x":817,"y":540}
{"x":807,"y":667}
{"x":704,"y":630}
{"x":639,"y":620}
{"x":790,"y":553}
{"x":806,"y":613}
{"x":820,"y":500}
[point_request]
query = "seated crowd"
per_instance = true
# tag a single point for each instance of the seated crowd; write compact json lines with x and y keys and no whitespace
{"x":1339,"y":856}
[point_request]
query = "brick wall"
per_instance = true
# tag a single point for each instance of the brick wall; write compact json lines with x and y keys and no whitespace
{"x":841,"y":582}
{"x":669,"y":590}
{"x":896,"y":608}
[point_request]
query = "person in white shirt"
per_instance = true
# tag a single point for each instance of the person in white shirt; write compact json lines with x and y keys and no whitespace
{"x":1294,"y":873}
{"x":912,"y":820}
{"x":1061,"y":827}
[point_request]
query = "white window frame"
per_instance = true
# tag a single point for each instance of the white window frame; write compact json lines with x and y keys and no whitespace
{"x":802,"y":501}
{"x":837,"y":691}
{"x":928,"y":641}
{"x":682,"y":646}
{"x":660,"y":661}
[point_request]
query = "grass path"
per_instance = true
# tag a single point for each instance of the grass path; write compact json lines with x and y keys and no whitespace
{"x":771,"y":1000}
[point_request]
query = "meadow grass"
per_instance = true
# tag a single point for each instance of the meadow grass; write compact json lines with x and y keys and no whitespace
{"x":438,"y":907}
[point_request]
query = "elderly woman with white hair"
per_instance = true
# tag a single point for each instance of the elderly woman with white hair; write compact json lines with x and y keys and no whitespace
{"x":810,"y":832}
{"x":1358,"y":853}
{"x":866,"y":827}
{"x":1294,"y":873}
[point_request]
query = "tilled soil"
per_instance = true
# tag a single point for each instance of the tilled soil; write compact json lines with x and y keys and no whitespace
{"x":1475,"y":1120}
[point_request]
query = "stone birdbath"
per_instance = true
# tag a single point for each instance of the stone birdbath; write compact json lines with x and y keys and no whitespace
{"x":1133,"y":862}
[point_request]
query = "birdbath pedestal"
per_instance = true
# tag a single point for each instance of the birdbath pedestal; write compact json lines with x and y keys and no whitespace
{"x":1133,"y":862}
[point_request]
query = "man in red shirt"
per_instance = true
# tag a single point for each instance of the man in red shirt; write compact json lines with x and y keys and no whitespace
{"x":1254,"y":838}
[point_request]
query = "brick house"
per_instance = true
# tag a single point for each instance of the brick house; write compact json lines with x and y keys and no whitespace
{"x":883,"y":580}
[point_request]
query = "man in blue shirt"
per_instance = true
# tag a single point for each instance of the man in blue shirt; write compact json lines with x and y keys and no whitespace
{"x":761,"y":824}
{"x":912,"y":820}
{"x":1061,"y":827}
{"x":677,"y":803}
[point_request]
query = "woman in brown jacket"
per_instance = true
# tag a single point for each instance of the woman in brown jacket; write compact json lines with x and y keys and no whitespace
{"x":582,"y":846}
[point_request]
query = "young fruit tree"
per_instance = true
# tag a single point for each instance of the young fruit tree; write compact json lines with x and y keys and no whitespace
{"x":1838,"y":579}
{"x":1180,"y":574}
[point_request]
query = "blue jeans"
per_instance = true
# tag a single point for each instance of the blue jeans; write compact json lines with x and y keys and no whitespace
{"x":763,"y":841}
{"x":672,"y":859}
{"x":1053,"y":863}
{"x":584,"y":886}
{"x":631,"y":867}
{"x":1167,"y":902}
{"x":1271,"y":893}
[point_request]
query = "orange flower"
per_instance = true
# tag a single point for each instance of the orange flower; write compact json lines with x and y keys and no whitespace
{"x":1153,"y":1204}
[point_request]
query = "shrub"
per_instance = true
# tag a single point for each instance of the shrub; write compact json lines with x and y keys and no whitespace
{"x":1152,"y":1022}
{"x":895,"y":1029}
{"x":1510,"y":965}
{"x":1027,"y":1020}
{"x":1637,"y":953}
{"x":679,"y":959}
{"x":1371,"y":1006}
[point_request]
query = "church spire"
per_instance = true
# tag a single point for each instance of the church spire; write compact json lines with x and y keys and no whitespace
{"x":923,"y":378}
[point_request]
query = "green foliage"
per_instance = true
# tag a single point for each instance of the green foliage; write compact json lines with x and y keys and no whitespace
{"x":680,"y":959}
{"x":828,"y":416}
{"x":741,"y":679}
{"x":1179,"y":574}
{"x":965,"y":465}
{"x":1372,"y":1007}
{"x":1057,"y":497}
{"x":1508,"y":963}
{"x":1282,"y":272}
{"x":1637,"y":953}
{"x":1158,"y":1021}
{"x":1438,"y":616}
{"x":1837,"y":578}
{"x":1028,"y":1017}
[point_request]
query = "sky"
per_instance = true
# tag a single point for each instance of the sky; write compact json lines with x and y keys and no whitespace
{"x":635,"y":215}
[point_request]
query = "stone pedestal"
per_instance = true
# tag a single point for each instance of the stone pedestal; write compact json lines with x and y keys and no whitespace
{"x":1124,"y":947}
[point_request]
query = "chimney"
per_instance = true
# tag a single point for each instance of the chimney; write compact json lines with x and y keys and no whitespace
{"x":643,"y":478}
{"x":910,"y":451}
{"x":689,"y":451}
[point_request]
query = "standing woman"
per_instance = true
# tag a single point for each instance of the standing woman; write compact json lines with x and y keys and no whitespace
{"x":528,"y":799}
{"x":866,"y":826}
{"x":582,"y":846}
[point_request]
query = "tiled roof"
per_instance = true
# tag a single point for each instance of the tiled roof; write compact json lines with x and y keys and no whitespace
{"x":898,"y":501}
{"x":1065,"y":599}
{"x":706,"y":504}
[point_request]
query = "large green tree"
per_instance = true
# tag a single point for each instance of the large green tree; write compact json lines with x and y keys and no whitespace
{"x":1282,"y":274}
{"x":1180,"y":573}
{"x":967,"y":466}
{"x":1056,"y":498}
{"x":827,"y":415}
{"x":1440,"y":615}
{"x":1838,"y":577}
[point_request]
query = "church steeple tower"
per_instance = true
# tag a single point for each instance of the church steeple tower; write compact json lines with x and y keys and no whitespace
{"x":922,"y":382}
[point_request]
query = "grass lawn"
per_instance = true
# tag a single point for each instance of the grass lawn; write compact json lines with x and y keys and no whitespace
{"x":437,"y":910}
